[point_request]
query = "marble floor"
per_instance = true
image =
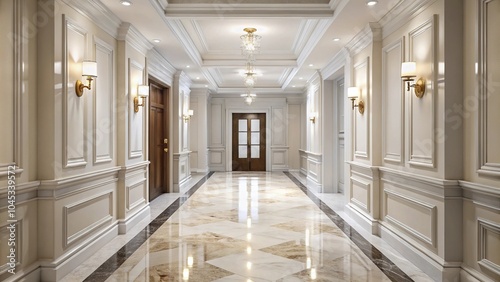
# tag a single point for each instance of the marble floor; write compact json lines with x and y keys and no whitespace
{"x":246,"y":227}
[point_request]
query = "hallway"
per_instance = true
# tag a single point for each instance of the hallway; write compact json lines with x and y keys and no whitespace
{"x":255,"y":226}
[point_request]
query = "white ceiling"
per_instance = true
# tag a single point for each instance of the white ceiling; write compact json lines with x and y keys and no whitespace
{"x":201,"y":37}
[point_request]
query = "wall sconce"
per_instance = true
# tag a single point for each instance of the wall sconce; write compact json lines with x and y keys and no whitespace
{"x":143,"y":93}
{"x":312,"y":117}
{"x":89,"y":69}
{"x":408,"y":74}
{"x":353,"y":94}
{"x":188,"y":116}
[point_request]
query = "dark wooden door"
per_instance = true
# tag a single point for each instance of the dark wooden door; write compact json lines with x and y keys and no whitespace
{"x":158,"y":140}
{"x":249,"y":142}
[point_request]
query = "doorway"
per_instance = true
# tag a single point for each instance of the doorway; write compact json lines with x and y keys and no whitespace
{"x":158,"y":139}
{"x":249,"y":142}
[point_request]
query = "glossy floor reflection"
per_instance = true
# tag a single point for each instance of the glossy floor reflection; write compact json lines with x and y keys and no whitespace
{"x":249,"y":227}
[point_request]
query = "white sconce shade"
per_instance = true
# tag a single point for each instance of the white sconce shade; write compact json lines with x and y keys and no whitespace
{"x":352,"y":92}
{"x":408,"y":69}
{"x":89,"y":68}
{"x":143,"y":91}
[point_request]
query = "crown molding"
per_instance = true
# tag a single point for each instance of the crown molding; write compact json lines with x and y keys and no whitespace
{"x":258,"y":90}
{"x":241,"y":62}
{"x":372,"y":32}
{"x":132,"y":35}
{"x":183,"y":78}
{"x":260,"y":10}
{"x":215,"y":75}
{"x":338,"y":62}
{"x":306,"y":28}
{"x":98,"y":13}
{"x":183,"y":36}
{"x":160,"y":68}
{"x":199,"y":34}
{"x":401,"y":13}
{"x":286,"y":73}
{"x":319,"y":30}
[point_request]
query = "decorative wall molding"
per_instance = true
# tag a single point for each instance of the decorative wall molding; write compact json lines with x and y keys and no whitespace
{"x":338,"y":62}
{"x":81,"y":205}
{"x":372,"y":32}
{"x":360,"y":153}
{"x":160,"y":68}
{"x":98,"y":13}
{"x":135,"y":125}
{"x":401,"y":13}
{"x":429,"y":186}
{"x":357,"y":180}
{"x":388,"y":154}
{"x":74,"y":149}
{"x":134,"y":37}
{"x":417,"y":144}
{"x":486,"y":88}
{"x":484,"y":227}
{"x":20,"y":91}
{"x":64,"y":187}
{"x":25,"y":192}
{"x":410,"y":201}
{"x":103,"y":120}
{"x":129,"y":205}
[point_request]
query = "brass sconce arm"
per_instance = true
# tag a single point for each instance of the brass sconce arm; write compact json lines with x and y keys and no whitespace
{"x":360,"y":106}
{"x":79,"y":86}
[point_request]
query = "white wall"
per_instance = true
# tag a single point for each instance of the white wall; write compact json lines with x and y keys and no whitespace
{"x":220,"y":119}
{"x":414,"y":175}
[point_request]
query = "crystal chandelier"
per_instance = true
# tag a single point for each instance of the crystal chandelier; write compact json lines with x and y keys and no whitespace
{"x":250,"y":43}
{"x":249,"y":76}
{"x":249,"y":97}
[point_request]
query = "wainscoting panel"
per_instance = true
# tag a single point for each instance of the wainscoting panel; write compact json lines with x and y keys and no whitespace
{"x":489,"y":102}
{"x":393,"y":105}
{"x":84,"y":217}
{"x":361,"y":74}
{"x":422,"y":113}
{"x":103,"y":105}
{"x":136,"y":120}
{"x":74,"y":107}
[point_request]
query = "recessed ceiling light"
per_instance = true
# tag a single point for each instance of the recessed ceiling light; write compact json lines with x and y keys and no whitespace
{"x":126,"y":2}
{"x":156,"y":40}
{"x":311,"y":65}
{"x":188,"y":66}
{"x":206,"y":86}
{"x":371,"y":2}
{"x":301,"y":78}
{"x":336,"y":39}
{"x":293,"y":86}
{"x":197,"y":77}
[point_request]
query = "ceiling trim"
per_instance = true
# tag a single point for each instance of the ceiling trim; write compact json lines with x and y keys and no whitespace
{"x":160,"y":68}
{"x":319,"y":30}
{"x":372,"y":32}
{"x":305,"y":30}
{"x":229,"y":10}
{"x":181,"y":33}
{"x":258,"y":90}
{"x":401,"y":13}
{"x":97,"y":12}
{"x":216,"y":75}
{"x":338,"y":62}
{"x":133,"y":36}
{"x":242,"y":62}
{"x":199,"y":34}
{"x":284,"y":75}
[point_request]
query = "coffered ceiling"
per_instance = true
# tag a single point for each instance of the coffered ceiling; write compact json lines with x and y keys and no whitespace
{"x":202,"y":37}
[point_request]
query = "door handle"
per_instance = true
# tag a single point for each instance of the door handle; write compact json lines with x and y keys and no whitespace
{"x":165,"y":140}
{"x":166,"y":150}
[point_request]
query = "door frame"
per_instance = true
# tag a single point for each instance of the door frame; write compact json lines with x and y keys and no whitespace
{"x":229,"y":135}
{"x":168,"y":124}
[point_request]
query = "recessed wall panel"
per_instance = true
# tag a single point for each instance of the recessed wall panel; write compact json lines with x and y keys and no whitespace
{"x":103,"y":104}
{"x":393,"y":102}
{"x":74,"y":107}
{"x":422,"y":118}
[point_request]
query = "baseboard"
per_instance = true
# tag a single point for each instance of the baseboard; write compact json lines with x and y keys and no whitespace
{"x":471,"y":275}
{"x":368,"y":224}
{"x":56,"y":270}
{"x":438,"y":271}
{"x":29,"y":274}
{"x":125,"y":225}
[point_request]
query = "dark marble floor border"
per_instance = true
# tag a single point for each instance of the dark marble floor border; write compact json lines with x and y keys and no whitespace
{"x":391,"y":270}
{"x":106,"y":269}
